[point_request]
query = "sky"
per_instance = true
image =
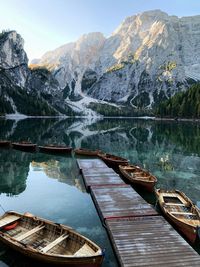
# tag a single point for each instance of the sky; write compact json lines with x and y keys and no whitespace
{"x":47,"y":24}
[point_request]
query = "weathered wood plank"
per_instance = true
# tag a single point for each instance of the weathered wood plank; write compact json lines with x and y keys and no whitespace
{"x":30,"y":232}
{"x":84,"y":250}
{"x":102,"y":180}
{"x":54,"y":243}
{"x":98,"y":170}
{"x":120,"y":201}
{"x":182,"y":213}
{"x":90,"y":163}
{"x":174,"y":204}
{"x":149,"y":241}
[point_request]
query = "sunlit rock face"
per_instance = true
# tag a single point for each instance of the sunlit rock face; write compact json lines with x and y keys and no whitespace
{"x":12,"y":53}
{"x":19,"y":83}
{"x":149,"y":57}
{"x":13,"y":59}
{"x":69,"y":62}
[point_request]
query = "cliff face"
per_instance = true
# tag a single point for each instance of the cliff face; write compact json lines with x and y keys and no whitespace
{"x":69,"y":62}
{"x":148,"y":58}
{"x":13,"y":59}
{"x":22,"y":90}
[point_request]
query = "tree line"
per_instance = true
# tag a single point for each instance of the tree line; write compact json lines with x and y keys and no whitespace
{"x":183,"y":104}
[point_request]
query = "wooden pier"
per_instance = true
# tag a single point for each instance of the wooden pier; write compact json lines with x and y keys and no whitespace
{"x":139,"y":235}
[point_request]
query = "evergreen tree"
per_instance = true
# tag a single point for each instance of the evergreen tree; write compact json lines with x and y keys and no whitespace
{"x":184,"y":104}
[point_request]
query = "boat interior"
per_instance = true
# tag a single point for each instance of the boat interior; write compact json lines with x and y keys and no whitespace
{"x":47,"y":238}
{"x":142,"y":175}
{"x":181,"y":208}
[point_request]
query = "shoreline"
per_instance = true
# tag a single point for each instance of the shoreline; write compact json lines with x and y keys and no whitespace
{"x":177,"y":119}
{"x":22,"y":117}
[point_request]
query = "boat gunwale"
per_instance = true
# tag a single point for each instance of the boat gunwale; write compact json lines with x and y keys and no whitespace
{"x":61,"y":149}
{"x":112,"y":158}
{"x":85,"y":151}
{"x":23,"y":144}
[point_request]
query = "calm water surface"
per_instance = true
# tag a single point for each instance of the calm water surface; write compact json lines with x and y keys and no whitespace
{"x":51,"y":187}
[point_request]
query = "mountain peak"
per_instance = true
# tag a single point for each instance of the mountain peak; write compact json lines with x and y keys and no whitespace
{"x":12,"y":51}
{"x":154,"y":13}
{"x":90,"y":39}
{"x":91,"y":35}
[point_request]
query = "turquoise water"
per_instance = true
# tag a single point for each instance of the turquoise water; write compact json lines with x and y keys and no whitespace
{"x":51,"y":186}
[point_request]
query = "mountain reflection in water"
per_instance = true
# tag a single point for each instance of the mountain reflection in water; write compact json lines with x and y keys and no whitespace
{"x":170,"y":150}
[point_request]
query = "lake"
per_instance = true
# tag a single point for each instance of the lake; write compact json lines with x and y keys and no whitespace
{"x":51,"y":186}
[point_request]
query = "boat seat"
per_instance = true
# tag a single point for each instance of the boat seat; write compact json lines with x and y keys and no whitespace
{"x":54,"y":243}
{"x":85,"y":250}
{"x":175,"y":204}
{"x":30,"y":232}
{"x":182,"y":213}
{"x":8,"y":219}
{"x":142,"y":177}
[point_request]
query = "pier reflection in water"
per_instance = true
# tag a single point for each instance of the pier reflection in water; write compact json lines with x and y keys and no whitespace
{"x":51,"y":186}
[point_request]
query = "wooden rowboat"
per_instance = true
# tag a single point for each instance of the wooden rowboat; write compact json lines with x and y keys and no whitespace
{"x":112,"y":160}
{"x":55,"y":149}
{"x":138,"y":176}
{"x":48,"y":242}
{"x":24,"y":146}
{"x":181,"y":211}
{"x":5,"y":143}
{"x":86,"y":152}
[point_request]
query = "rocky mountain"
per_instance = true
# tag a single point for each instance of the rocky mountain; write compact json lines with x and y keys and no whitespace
{"x":148,"y":58}
{"x":22,"y":90}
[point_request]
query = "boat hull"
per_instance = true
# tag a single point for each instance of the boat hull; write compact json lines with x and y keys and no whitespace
{"x":55,"y":150}
{"x":189,"y":232}
{"x":25,"y":147}
{"x":57,"y":261}
{"x":86,"y":152}
{"x":5,"y":144}
{"x":113,"y":161}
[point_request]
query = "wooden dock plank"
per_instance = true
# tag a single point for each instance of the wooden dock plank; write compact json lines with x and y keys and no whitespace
{"x":90,"y":163}
{"x":149,"y":241}
{"x":123,"y":201}
{"x":103,"y":180}
{"x":98,"y":171}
